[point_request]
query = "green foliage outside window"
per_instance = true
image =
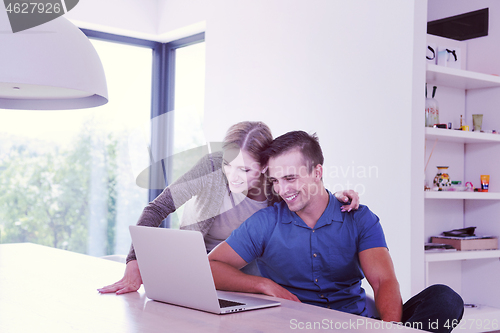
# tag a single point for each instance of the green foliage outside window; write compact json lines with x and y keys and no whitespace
{"x":44,"y":191}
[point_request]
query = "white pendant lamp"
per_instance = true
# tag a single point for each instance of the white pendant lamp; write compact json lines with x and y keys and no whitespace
{"x":52,"y":66}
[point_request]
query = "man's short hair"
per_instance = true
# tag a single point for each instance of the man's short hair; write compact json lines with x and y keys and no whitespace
{"x":307,"y":144}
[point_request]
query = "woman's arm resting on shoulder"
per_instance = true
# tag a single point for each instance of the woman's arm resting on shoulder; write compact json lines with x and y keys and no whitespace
{"x":226,"y":264}
{"x":130,"y":282}
{"x":379,"y":271}
{"x":350,"y":198}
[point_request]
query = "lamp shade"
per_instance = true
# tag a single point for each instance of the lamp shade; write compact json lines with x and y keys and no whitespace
{"x":52,"y":66}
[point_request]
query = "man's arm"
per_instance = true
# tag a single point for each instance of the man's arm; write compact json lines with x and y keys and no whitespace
{"x":379,"y":271}
{"x":225,"y":264}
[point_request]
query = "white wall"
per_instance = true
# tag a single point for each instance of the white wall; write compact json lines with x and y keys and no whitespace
{"x":179,"y":19}
{"x":126,"y":17}
{"x":341,"y":69}
{"x":157,"y":20}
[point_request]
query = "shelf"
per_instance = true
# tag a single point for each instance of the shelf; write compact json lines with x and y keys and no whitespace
{"x":461,"y":195}
{"x":470,"y":273}
{"x":461,"y":255}
{"x":459,"y":78}
{"x":446,"y":135}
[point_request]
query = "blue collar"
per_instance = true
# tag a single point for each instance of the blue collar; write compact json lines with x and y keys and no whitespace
{"x":331,"y":214}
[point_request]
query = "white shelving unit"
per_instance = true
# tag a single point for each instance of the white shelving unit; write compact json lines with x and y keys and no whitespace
{"x":461,"y":195}
{"x":446,"y":135}
{"x":460,"y":255}
{"x":446,"y":261}
{"x":459,"y":78}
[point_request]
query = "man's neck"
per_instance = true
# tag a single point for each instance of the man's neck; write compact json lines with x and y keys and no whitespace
{"x":311,"y":214}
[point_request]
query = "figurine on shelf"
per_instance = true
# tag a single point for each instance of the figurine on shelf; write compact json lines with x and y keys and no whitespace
{"x":442,"y":180}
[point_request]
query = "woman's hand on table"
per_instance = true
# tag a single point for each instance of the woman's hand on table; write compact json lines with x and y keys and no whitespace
{"x":130,"y":282}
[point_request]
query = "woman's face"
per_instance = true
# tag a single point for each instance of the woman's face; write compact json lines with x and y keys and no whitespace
{"x":243,"y":172}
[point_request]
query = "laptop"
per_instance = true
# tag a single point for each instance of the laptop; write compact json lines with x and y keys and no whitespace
{"x":174,"y":269}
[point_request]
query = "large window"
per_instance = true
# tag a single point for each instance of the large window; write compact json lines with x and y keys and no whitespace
{"x":189,"y":97}
{"x":68,"y":178}
{"x":76,"y":179}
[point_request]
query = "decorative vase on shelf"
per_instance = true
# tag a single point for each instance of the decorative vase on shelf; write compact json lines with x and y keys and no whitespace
{"x":442,"y":180}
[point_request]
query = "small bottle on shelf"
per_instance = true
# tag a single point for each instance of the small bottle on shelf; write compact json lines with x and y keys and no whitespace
{"x":431,"y":110}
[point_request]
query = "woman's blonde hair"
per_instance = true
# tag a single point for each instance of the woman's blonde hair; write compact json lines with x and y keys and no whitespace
{"x":251,"y":136}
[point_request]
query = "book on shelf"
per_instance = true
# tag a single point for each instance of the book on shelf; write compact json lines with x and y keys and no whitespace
{"x":469,"y":242}
{"x":438,"y":247}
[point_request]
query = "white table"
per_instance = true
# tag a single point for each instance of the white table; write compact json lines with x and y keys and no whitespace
{"x":49,"y":290}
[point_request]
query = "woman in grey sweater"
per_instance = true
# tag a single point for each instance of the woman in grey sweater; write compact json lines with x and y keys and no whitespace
{"x":226,"y":187}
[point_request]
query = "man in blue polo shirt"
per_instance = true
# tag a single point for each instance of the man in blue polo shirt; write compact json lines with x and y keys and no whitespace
{"x":308,"y":250}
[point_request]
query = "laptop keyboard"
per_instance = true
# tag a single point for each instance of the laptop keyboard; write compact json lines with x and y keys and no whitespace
{"x":224,"y":303}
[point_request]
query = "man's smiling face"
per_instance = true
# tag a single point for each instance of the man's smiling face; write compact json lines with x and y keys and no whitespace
{"x":294,"y":181}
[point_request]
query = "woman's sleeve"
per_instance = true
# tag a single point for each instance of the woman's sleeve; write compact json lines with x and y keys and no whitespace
{"x":176,"y":194}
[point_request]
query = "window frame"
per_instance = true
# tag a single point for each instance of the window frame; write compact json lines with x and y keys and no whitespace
{"x":162,"y":94}
{"x":162,"y":99}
